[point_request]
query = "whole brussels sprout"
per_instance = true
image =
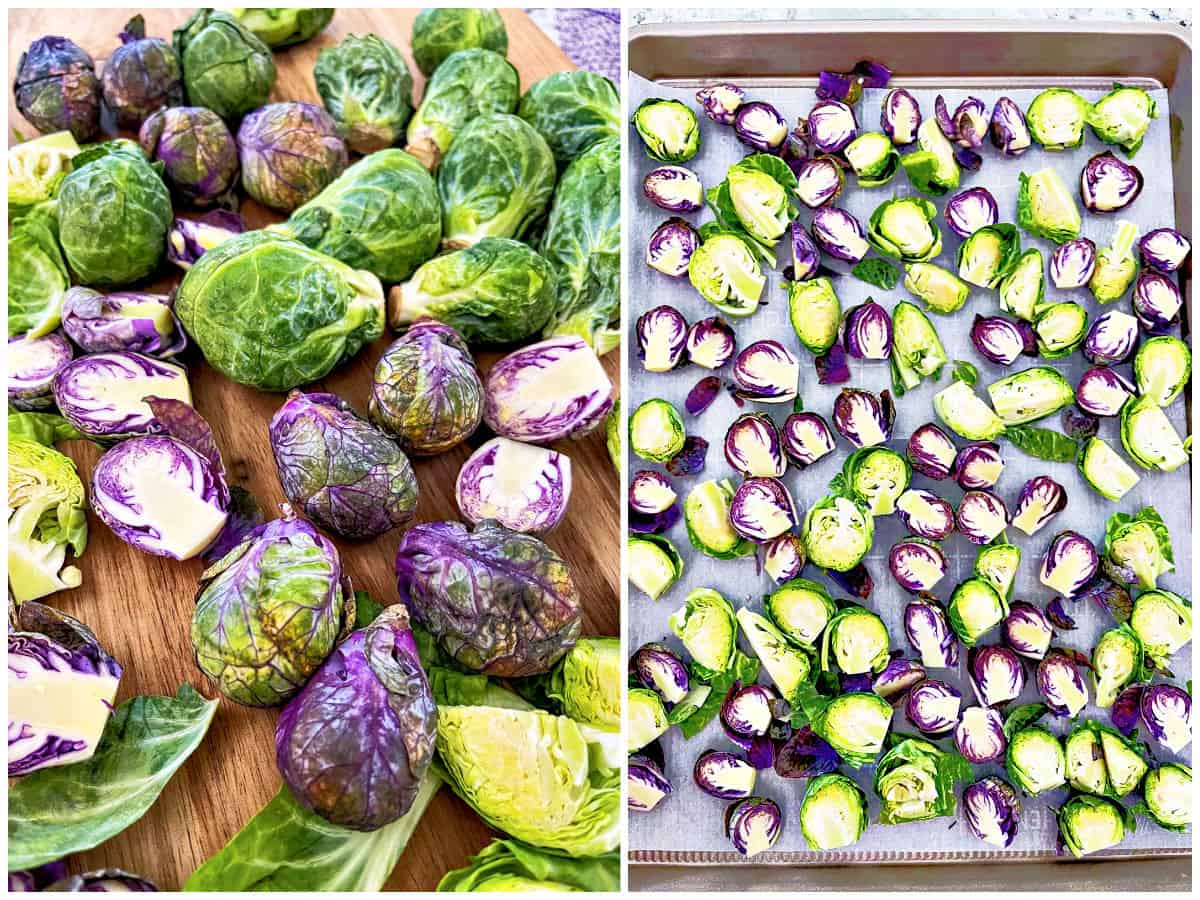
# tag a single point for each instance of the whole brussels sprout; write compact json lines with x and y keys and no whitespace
{"x":470,"y":84}
{"x":383,"y":215}
{"x":225,"y":66}
{"x":270,"y":611}
{"x":365,"y":84}
{"x":345,"y":474}
{"x":273,"y":314}
{"x":356,"y":742}
{"x":113,"y":215}
{"x":56,"y":88}
{"x":141,"y":76}
{"x":572,"y":111}
{"x":498,"y":601}
{"x":427,"y":393}
{"x":289,"y":153}
{"x":496,"y":181}
{"x":197,"y":150}
{"x":279,"y":28}
{"x":438,"y":33}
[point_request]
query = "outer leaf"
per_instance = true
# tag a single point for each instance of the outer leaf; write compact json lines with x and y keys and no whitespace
{"x":43,"y":428}
{"x":1043,"y":443}
{"x":878,"y":272}
{"x":512,"y":865}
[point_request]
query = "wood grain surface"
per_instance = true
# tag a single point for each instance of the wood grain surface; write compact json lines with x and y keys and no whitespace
{"x":140,"y":606}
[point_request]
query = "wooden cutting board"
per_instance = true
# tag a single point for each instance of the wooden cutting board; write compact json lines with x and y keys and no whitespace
{"x":140,"y":606}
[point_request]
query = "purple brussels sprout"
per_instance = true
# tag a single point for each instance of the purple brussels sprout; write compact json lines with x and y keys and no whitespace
{"x":190,"y":239}
{"x":721,"y":101}
{"x":1001,"y":340}
{"x":761,"y":509}
{"x":784,"y":557}
{"x":970,"y":210}
{"x":897,"y":677}
{"x":917,"y":564}
{"x":662,"y":338}
{"x":748,"y":710}
{"x":1027,"y":630}
{"x":523,"y":487}
{"x":925,"y":514}
{"x":724,"y":775}
{"x":863,"y":418}
{"x":967,"y":126}
{"x":660,"y":670}
{"x":61,"y":686}
{"x":759,"y":125}
{"x":930,"y":634}
{"x":1108,"y":184}
{"x":647,"y":785}
{"x":753,"y":825}
{"x":676,"y":189}
{"x":37,"y":878}
{"x":197,"y":150}
{"x":547,"y":391}
{"x":768,"y":372}
{"x":806,"y":438}
{"x":848,"y":86}
{"x":103,"y":394}
{"x":671,"y":246}
{"x":978,"y":465}
{"x":900,"y":116}
{"x":104,"y":880}
{"x":137,"y":321}
{"x":1072,"y":263}
{"x":1167,"y":712}
{"x":710,"y":343}
{"x":33,"y":364}
{"x":1102,"y":391}
{"x":651,"y":492}
{"x":839,"y":234}
{"x":702,"y":395}
{"x":979,"y":735}
{"x":931,"y":452}
{"x":933,"y":707}
{"x":992,"y":810}
{"x":1156,"y":301}
{"x":806,"y":255}
{"x":831,"y":126}
{"x":1010,"y":134}
{"x":753,"y":447}
{"x":867,"y":331}
{"x":1069,"y":563}
{"x":819,"y":181}
{"x":339,"y":469}
{"x":56,"y":88}
{"x":1041,"y":499}
{"x":996,"y":674}
{"x":141,"y":76}
{"x":498,"y":601}
{"x":1164,"y":249}
{"x":289,"y":153}
{"x":1061,"y":684}
{"x":1111,"y":338}
{"x":805,"y":755}
{"x":981,"y":516}
{"x":355,"y":743}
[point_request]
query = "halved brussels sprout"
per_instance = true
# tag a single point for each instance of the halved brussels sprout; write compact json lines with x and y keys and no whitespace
{"x":942,"y":290}
{"x":1027,"y":630}
{"x":863,"y":418}
{"x":753,"y":825}
{"x":761,"y":509}
{"x":767,"y":371}
{"x":873,"y":158}
{"x":758,"y":190}
{"x":647,"y":718}
{"x":1137,"y":548}
{"x":1072,"y":264}
{"x":831,"y":126}
{"x":989,"y":254}
{"x":656,"y":431}
{"x":996,"y":675}
{"x":966,"y":414}
{"x":1056,"y":118}
{"x":674,"y":188}
{"x":1122,"y":117}
{"x":654,"y":564}
{"x":1167,"y":711}
{"x":1104,"y":471}
{"x":1010,"y":135}
{"x":1107,"y":184}
{"x":834,"y":812}
{"x":1088,"y":824}
{"x":917,"y":351}
{"x":858,"y":641}
{"x":1116,"y":265}
{"x":839,"y":234}
{"x":760,"y":126}
{"x":784,"y":557}
{"x":877,"y":476}
{"x":788,"y":666}
{"x":992,"y":809}
{"x":752,"y":446}
{"x":917,"y":564}
{"x":661,"y":337}
{"x":1156,"y":301}
{"x":1061,"y":684}
{"x":900,"y":116}
{"x":931,"y":452}
{"x":978,"y":466}
{"x":1041,"y":499}
{"x":933,"y":707}
{"x":925,"y":514}
{"x":1164,"y":249}
{"x":1149,"y":437}
{"x":1068,"y":563}
{"x":1001,"y":340}
{"x":806,"y":438}
{"x":724,"y":270}
{"x":1116,"y":661}
{"x":721,"y":101}
{"x":1102,"y":391}
{"x":708,"y":629}
{"x":711,"y":343}
{"x":975,"y":608}
{"x":1111,"y":338}
{"x":1060,"y":328}
{"x":1163,"y":621}
{"x":1162,"y":368}
{"x":801,"y":609}
{"x":1030,"y":395}
{"x":981,"y":516}
{"x":647,"y":785}
{"x":1035,"y":760}
{"x":819,"y":180}
{"x":905,"y":229}
{"x":1046,"y":208}
{"x":970,"y":210}
{"x":932,"y":169}
{"x":706,"y":514}
{"x":838,"y":533}
{"x":855,"y":725}
{"x":1023,"y":288}
{"x":724,"y":775}
{"x":1167,"y":792}
{"x":997,"y":564}
{"x":815,"y":313}
{"x":668,"y":129}
{"x":660,"y":670}
{"x":928,"y":631}
{"x":671,"y":247}
{"x":867,"y":331}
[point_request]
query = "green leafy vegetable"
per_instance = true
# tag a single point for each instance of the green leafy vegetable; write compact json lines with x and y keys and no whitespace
{"x":878,"y":272}
{"x":45,"y":428}
{"x":1043,"y":443}
{"x":510,"y":866}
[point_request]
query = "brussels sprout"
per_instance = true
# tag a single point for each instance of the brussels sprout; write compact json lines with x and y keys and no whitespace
{"x":141,"y":76}
{"x":1149,"y":437}
{"x":438,"y":33}
{"x":1045,"y":207}
{"x":656,"y":431}
{"x":1111,"y":338}
{"x":660,"y":670}
{"x":646,"y":785}
{"x":766,"y":371}
{"x":788,"y":666}
{"x":913,"y":783}
{"x":1156,"y":301}
{"x":863,"y":418}
{"x":1101,"y":761}
{"x":1137,"y":548}
{"x":760,"y":126}
{"x":1088,"y":824}
{"x":1041,"y":499}
{"x":671,"y":247}
{"x":900,"y":116}
{"x":1056,"y":117}
{"x":1068,"y":563}
{"x":1122,"y":117}
{"x":724,"y":775}
{"x":967,"y":126}
{"x":674,"y":188}
{"x":1167,"y":712}
{"x":981,"y":516}
{"x":746,"y":711}
{"x":706,"y":514}
{"x":815,"y":313}
{"x":647,"y":718}
{"x":988,"y":255}
{"x":708,"y":629}
{"x":877,"y":476}
{"x":36,"y":168}
{"x":197,"y":150}
{"x":932,"y":169}
{"x":56,"y":88}
{"x":289,"y":153}
{"x":978,"y":465}
{"x":1164,"y":249}
{"x":1061,"y":329}
{"x":1115,"y":265}
{"x":279,"y":28}
{"x":855,"y":725}
{"x":999,"y":339}
{"x":897,"y":678}
{"x":784,"y":557}
{"x":979,"y":735}
{"x":928,"y":632}
{"x":651,"y":492}
{"x":654,"y":564}
{"x":933,"y":707}
{"x":837,"y":533}
{"x":1106,"y":184}
{"x":103,"y":394}
{"x":873,"y":158}
{"x":904,"y":229}
{"x":190,"y":239}
{"x":1163,"y":622}
{"x":916,"y":564}
{"x":857,"y":640}
{"x":992,"y":810}
{"x":1102,"y":392}
{"x":1167,"y":792}
{"x":226,"y":67}
{"x":975,"y":608}
{"x":752,"y":446}
{"x":33,"y":364}
{"x":839,"y":234}
{"x":997,"y":564}
{"x":720,"y":101}
{"x":996,"y":675}
{"x":833,"y":813}
{"x":757,"y":191}
{"x":800,"y":609}
{"x":135,"y":321}
{"x":1061,"y":685}
{"x":819,"y":180}
{"x":925,"y":514}
{"x":831,"y":126}
{"x":1035,"y":760}
{"x":668,"y":129}
{"x":1030,"y":394}
{"x":761,"y":509}
{"x":931,"y":452}
{"x":1162,"y":368}
{"x":1027,"y":630}
{"x":753,"y":825}
{"x":970,"y":210}
{"x":1116,"y":661}
{"x":102,"y":880}
{"x":365,"y":85}
{"x":710,"y":343}
{"x":726,"y":273}
{"x":806,"y":438}
{"x":1072,"y":263}
{"x":238,"y":318}
{"x":965,"y":414}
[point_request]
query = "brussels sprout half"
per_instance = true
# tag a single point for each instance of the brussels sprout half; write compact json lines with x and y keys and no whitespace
{"x":1023,"y":288}
{"x":815,"y":313}
{"x":646,"y":786}
{"x":760,"y":126}
{"x":914,"y":783}
{"x":932,"y":169}
{"x":966,"y":414}
{"x":726,"y":273}
{"x":1046,"y":208}
{"x":858,"y":641}
{"x":855,"y":725}
{"x":992,"y":811}
{"x":1163,"y":621}
{"x":975,"y":608}
{"x":1167,"y":794}
{"x":1107,"y":184}
{"x":1116,"y":265}
{"x":654,"y":564}
{"x":1030,"y":395}
{"x":925,"y":514}
{"x":900,"y":116}
{"x":904,"y":229}
{"x":656,"y":431}
{"x":720,"y":101}
{"x":933,"y":707}
{"x":753,"y":825}
{"x":724,"y":775}
{"x":788,"y":666}
{"x":1088,"y":824}
{"x":1117,"y":660}
{"x":1056,"y":118}
{"x":929,"y":633}
{"x":647,"y":718}
{"x":800,"y":609}
{"x":1137,"y":548}
{"x":873,"y":158}
{"x":989,"y":254}
{"x":706,"y":514}
{"x":837,"y":533}
{"x":1167,"y":711}
{"x":708,"y":629}
{"x":668,"y":129}
{"x":833,"y":813}
{"x":1122,"y":117}
{"x":1035,"y":760}
{"x":1162,"y":368}
{"x":1149,"y":437}
{"x":674,"y":188}
{"x":941,"y":290}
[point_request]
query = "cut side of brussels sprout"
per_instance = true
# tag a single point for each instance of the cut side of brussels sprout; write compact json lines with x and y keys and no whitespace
{"x":706,"y":514}
{"x":1105,"y":471}
{"x":975,"y":608}
{"x":523,"y":487}
{"x":988,"y":255}
{"x":1056,"y":118}
{"x":966,"y":414}
{"x":833,"y":813}
{"x":1060,"y":328}
{"x":1035,"y":760}
{"x":905,"y":229}
{"x":1149,"y":437}
{"x":877,"y":476}
{"x":815,"y":313}
{"x":1088,"y":824}
{"x":801,"y":609}
{"x":654,"y":564}
{"x":1030,"y":395}
{"x":788,"y":666}
{"x":1022,"y":289}
{"x":1162,"y":368}
{"x":668,"y":129}
{"x":1122,"y":117}
{"x":708,"y":629}
{"x":942,"y":290}
{"x":1167,"y":791}
{"x":838,"y":533}
{"x":726,"y":273}
{"x":647,"y":718}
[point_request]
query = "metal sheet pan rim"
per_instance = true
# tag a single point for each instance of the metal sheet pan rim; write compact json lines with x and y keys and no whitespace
{"x":876,"y":858}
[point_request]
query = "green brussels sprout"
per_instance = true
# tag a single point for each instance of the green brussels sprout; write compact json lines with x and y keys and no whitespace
{"x":274,"y":314}
{"x":932,"y":168}
{"x":226,"y":67}
{"x":858,"y":640}
{"x":35,"y":169}
{"x":1149,"y":437}
{"x":1162,"y":368}
{"x":838,"y":533}
{"x":512,"y":867}
{"x":1061,"y":329}
{"x":113,"y":215}
{"x":815,"y":313}
{"x":708,"y":629}
{"x":877,"y":476}
{"x":279,"y":28}
{"x":647,"y":718}
{"x":706,"y":515}
{"x":1162,"y":620}
{"x":917,"y":351}
{"x":365,"y":84}
{"x":1030,"y":395}
{"x":833,"y":813}
{"x":873,"y":158}
{"x":1088,"y":824}
{"x":975,"y":608}
{"x":1046,"y":207}
{"x":1023,"y":289}
{"x":654,"y":564}
{"x":1104,"y":470}
{"x":965,"y":414}
{"x":383,"y":215}
{"x":724,"y":270}
{"x":800,"y":609}
{"x":942,"y":290}
{"x":471,"y":83}
{"x":756,"y":194}
{"x":1056,"y":117}
{"x":496,"y":291}
{"x":1100,"y":761}
{"x":1167,"y":793}
{"x":1116,"y":266}
{"x":788,"y":666}
{"x":572,"y":111}
{"x":1116,"y":661}
{"x":612,"y":435}
{"x":997,"y":564}
{"x":1035,"y":760}
{"x":904,"y":229}
{"x":669,"y":130}
{"x":989,"y":254}
{"x":855,"y":725}
{"x":656,"y":431}
{"x":914,"y":783}
{"x":582,"y":243}
{"x":438,"y":33}
{"x":37,"y":276}
{"x":587,"y":682}
{"x":1137,"y":548}
{"x":1122,"y":117}
{"x":496,"y":181}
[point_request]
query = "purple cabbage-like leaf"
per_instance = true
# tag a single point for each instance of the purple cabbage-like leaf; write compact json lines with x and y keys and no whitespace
{"x":702,"y":394}
{"x":1058,"y":616}
{"x":805,"y":755}
{"x":832,"y":367}
{"x":856,"y":582}
{"x":848,"y":86}
{"x":1126,"y":709}
{"x":690,"y":459}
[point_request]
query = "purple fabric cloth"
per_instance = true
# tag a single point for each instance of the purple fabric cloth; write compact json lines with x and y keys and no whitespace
{"x":590,"y":37}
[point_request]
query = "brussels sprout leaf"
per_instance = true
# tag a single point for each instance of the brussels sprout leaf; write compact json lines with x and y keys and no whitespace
{"x":45,"y":428}
{"x":1043,"y":443}
{"x":965,"y":371}
{"x":1023,"y":716}
{"x":879,"y":272}
{"x":365,"y":609}
{"x":508,"y":864}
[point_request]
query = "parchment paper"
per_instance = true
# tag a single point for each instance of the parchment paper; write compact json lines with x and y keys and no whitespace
{"x":688,"y":822}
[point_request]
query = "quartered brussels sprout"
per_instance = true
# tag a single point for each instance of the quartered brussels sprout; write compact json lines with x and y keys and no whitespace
{"x":1162,"y":368}
{"x":760,"y":126}
{"x":1111,"y":338}
{"x":905,"y":229}
{"x":1088,"y":824}
{"x":1102,"y":391}
{"x":720,"y":101}
{"x":671,"y":247}
{"x":831,"y":126}
{"x":753,"y":825}
{"x":1167,"y":794}
{"x":674,"y":188}
{"x":726,"y":273}
{"x":932,"y":168}
{"x":806,"y":255}
{"x":706,"y":515}
{"x":1061,"y":329}
{"x":1072,"y":263}
{"x":1116,"y":266}
{"x":1056,"y":118}
{"x":1101,"y":761}
{"x":668,"y":129}
{"x":438,"y":33}
{"x":788,"y":666}
{"x":855,"y":725}
{"x":806,"y":438}
{"x":967,"y":126}
{"x":997,"y":564}
{"x":837,"y":533}
{"x":784,"y":557}
{"x":965,"y":414}
{"x":996,"y":675}
{"x":1035,"y":760}
{"x":897,"y":677}
{"x":839,"y":234}
{"x":1104,"y":470}
{"x":226,"y":67}
{"x":981,"y":516}
{"x":1167,"y":712}
{"x":1045,"y":207}
{"x":646,"y":785}
{"x":900,"y":116}
{"x":767,"y":371}
{"x":1041,"y":499}
{"x":925,"y":514}
{"x":1156,"y":301}
{"x":819,"y":180}
{"x":654,"y":564}
{"x":1030,"y":395}
{"x":1149,"y":437}
{"x":1122,"y":117}
{"x":724,"y":775}
{"x":873,"y":158}
{"x":913,"y":784}
{"x":863,"y":418}
{"x":1107,"y":184}
{"x":33,"y":365}
{"x":523,"y":487}
{"x":929,"y":633}
{"x":1116,"y":661}
{"x":1068,"y":563}
{"x":710,"y":342}
{"x":752,"y":446}
{"x":1164,"y":249}
{"x":801,"y":609}
{"x":365,"y":85}
{"x":56,"y":88}
{"x":833,"y":813}
{"x":877,"y":476}
{"x":988,"y":255}
{"x":758,"y":190}
{"x":857,"y":640}
{"x":1163,"y":621}
{"x":1137,"y":548}
{"x":36,"y":168}
{"x":942,"y":291}
{"x":761,"y":509}
{"x":975,"y":608}
{"x":815,"y":313}
{"x":992,"y":811}
{"x":656,"y":431}
{"x":707,"y":627}
{"x":647,"y":718}
{"x":933,"y":707}
{"x":661,"y":336}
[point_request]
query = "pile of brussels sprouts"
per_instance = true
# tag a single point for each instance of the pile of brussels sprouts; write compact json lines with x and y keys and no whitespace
{"x":497,"y":225}
{"x":837,"y":683}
